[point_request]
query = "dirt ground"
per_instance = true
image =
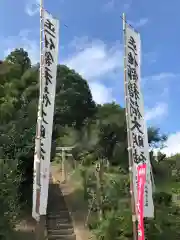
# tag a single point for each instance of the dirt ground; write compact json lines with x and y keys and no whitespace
{"x":25,"y":230}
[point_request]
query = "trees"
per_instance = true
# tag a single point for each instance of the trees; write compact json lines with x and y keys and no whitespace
{"x":18,"y":112}
{"x":9,"y":211}
{"x":18,"y":106}
{"x":74,"y":102}
{"x":155,"y":138}
{"x":98,"y":131}
{"x":20,"y":59}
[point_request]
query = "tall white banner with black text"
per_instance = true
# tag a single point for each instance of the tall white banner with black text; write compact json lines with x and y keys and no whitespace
{"x":138,"y":129}
{"x":51,"y":41}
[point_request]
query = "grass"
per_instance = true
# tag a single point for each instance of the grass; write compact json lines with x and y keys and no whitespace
{"x":79,"y":206}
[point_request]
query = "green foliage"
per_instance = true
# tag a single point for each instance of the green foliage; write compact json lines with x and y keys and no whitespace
{"x":10,"y":209}
{"x":20,"y":58}
{"x":116,"y":225}
{"x":163,"y":198}
{"x":155,"y":138}
{"x":110,"y":134}
{"x":96,"y":131}
{"x":165,"y":225}
{"x":74,"y":102}
{"x":18,"y":114}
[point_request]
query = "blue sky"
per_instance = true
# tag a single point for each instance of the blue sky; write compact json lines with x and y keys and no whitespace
{"x":92,"y":45}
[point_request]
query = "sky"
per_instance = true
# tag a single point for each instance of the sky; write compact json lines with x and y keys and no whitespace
{"x":91,"y":42}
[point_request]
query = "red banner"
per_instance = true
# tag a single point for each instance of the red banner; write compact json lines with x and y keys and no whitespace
{"x":140,"y":206}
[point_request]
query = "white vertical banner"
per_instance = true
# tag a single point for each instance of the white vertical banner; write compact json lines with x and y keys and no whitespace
{"x":137,"y":125}
{"x":51,"y":42}
{"x":36,"y":186}
{"x":37,"y":154}
{"x":148,"y":201}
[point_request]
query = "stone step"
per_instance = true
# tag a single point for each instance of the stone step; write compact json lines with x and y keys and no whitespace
{"x":59,"y":217}
{"x":59,"y":207}
{"x":62,"y":237}
{"x":69,"y":231}
{"x":59,"y":213}
{"x":62,"y":211}
{"x":60,"y":201}
{"x":57,"y":226}
{"x":61,"y":220}
{"x":57,"y":210}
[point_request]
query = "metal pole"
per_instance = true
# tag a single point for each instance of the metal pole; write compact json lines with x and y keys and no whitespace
{"x":128,"y":136}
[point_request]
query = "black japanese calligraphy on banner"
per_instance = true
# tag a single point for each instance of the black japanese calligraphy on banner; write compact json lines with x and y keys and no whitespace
{"x":132,"y":60}
{"x":48,"y":76}
{"x":132,"y":73}
{"x":49,"y":28}
{"x":44,"y":114}
{"x":49,"y":41}
{"x":43,"y":131}
{"x":138,"y":157}
{"x":133,"y":91}
{"x":146,"y":196}
{"x":132,"y":45}
{"x":48,"y":58}
{"x":137,"y":127}
{"x":49,"y":69}
{"x":138,"y":140}
{"x":134,"y":109}
{"x":135,"y":113}
{"x":43,"y":152}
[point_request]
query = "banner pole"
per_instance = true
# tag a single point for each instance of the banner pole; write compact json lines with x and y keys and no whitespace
{"x":40,"y":227}
{"x":40,"y":92}
{"x":133,"y":207}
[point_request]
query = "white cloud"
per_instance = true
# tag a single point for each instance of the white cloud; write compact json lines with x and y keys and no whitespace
{"x":32,"y":7}
{"x":111,"y":5}
{"x":159,"y":79}
{"x":156,"y":112}
{"x":173,"y":144}
{"x":79,"y":44}
{"x":161,"y":76}
{"x":142,"y":22}
{"x":100,"y":93}
{"x":95,"y":59}
{"x":23,"y":40}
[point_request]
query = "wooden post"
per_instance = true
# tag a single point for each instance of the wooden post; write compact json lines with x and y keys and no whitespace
{"x":99,"y":189}
{"x":101,"y":174}
{"x":133,"y":207}
{"x":63,"y":165}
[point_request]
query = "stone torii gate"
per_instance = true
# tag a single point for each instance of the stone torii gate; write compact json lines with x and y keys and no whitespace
{"x":64,"y":152}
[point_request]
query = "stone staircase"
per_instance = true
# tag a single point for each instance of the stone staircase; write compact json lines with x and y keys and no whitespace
{"x":59,"y":222}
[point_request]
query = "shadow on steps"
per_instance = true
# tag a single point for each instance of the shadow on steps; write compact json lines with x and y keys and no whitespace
{"x":59,"y":222}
